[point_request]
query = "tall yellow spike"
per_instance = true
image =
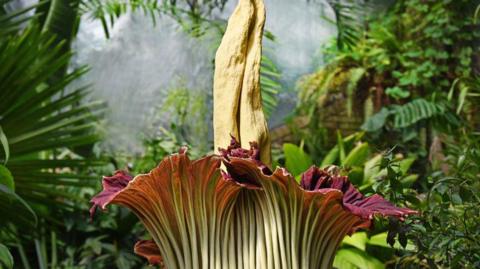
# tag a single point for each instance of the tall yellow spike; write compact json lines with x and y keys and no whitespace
{"x":238,"y":107}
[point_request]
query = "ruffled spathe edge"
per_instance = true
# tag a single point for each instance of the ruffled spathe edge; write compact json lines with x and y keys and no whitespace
{"x":203,"y":179}
{"x":312,"y":180}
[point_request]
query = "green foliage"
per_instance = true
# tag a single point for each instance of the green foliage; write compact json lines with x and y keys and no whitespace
{"x":296,"y":160}
{"x":467,"y":92}
{"x":6,"y":259}
{"x":270,"y":85}
{"x":193,"y":16}
{"x":47,"y":132}
{"x":6,"y":178}
{"x":159,"y":146}
{"x":11,"y":22}
{"x":448,"y":232}
{"x":414,"y":111}
{"x":353,"y":251}
{"x":42,"y":119}
{"x":60,"y":18}
{"x":384,"y":173}
{"x":6,"y":148}
{"x":15,"y":210}
{"x":411,"y":113}
{"x":189,"y":117}
{"x":352,"y":258}
{"x":348,"y":19}
{"x":421,"y":81}
{"x":406,"y":64}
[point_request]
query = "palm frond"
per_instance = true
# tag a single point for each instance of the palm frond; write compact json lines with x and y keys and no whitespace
{"x":62,"y":19}
{"x":192,"y":16}
{"x":109,"y":11}
{"x":348,"y":15}
{"x":270,"y":85}
{"x":12,"y":21}
{"x":40,"y":121}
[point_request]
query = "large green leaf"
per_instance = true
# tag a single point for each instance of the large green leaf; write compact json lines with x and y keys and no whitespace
{"x":334,"y":156}
{"x":357,"y":156}
{"x":6,"y":258}
{"x":354,"y":258}
{"x":415,"y":111}
{"x":372,"y":169}
{"x":358,"y":240}
{"x":376,"y":121}
{"x":62,"y":18}
{"x":296,"y":160}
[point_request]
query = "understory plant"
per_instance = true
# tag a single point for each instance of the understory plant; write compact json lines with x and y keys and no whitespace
{"x":447,"y":234}
{"x":399,"y":73}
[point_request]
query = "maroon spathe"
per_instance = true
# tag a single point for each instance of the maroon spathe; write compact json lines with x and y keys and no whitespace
{"x":315,"y":179}
{"x":244,"y":171}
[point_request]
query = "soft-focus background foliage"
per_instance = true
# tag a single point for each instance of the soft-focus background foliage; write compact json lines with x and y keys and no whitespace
{"x":389,"y":91}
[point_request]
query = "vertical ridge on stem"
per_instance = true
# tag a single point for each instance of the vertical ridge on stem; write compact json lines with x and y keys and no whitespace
{"x":237,"y":98}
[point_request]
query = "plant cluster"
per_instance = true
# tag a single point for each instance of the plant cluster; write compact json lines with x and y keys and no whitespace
{"x":405,"y":75}
{"x":412,"y":76}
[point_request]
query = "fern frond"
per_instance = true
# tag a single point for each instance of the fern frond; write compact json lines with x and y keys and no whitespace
{"x":415,"y":111}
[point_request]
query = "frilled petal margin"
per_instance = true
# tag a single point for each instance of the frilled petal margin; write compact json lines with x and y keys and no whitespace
{"x":111,"y":186}
{"x":246,"y":218}
{"x":315,"y":179}
{"x":149,"y":250}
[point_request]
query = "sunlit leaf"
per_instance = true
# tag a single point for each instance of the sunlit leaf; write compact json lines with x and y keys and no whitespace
{"x":296,"y":160}
{"x":356,"y":259}
{"x":6,"y":258}
{"x":6,"y":178}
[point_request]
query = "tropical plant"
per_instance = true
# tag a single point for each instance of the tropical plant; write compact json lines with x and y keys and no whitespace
{"x":447,"y":233}
{"x":467,"y":101}
{"x":193,"y":16}
{"x":402,"y":69}
{"x":198,"y":216}
{"x":43,"y":124}
{"x":381,"y":173}
{"x":361,"y":250}
{"x":349,"y":16}
{"x":46,"y":130}
{"x":196,"y":19}
{"x":188,"y":114}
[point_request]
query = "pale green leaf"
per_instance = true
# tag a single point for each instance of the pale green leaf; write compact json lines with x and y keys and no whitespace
{"x":4,"y":141}
{"x":296,"y":160}
{"x":6,"y":258}
{"x":357,"y":156}
{"x":356,"y":259}
{"x":358,"y":240}
{"x":6,"y":178}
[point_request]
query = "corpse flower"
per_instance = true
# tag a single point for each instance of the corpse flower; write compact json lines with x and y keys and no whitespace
{"x":241,"y":215}
{"x":245,"y":217}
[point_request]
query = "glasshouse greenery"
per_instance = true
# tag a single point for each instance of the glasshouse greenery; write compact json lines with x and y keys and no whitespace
{"x":390,"y":111}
